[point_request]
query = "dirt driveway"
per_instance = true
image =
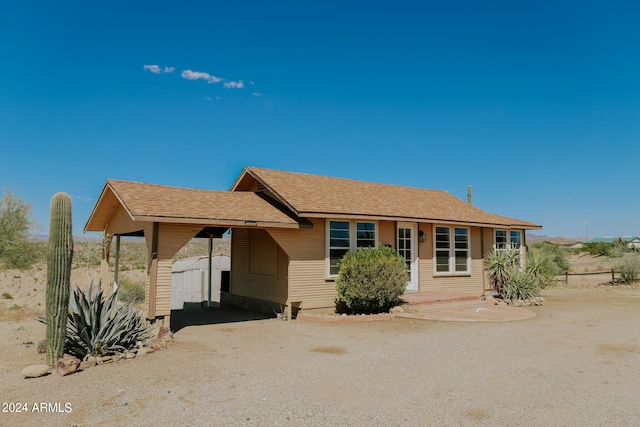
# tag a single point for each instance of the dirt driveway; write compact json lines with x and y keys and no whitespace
{"x":576,"y":363}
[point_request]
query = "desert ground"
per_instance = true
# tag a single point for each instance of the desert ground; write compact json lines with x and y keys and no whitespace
{"x":576,"y":363}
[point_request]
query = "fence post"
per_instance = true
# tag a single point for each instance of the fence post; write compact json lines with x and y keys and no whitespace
{"x":566,"y":277}
{"x":613,"y":278}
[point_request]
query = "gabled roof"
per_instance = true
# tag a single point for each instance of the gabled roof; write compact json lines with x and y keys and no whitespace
{"x":160,"y":203}
{"x":322,"y":196}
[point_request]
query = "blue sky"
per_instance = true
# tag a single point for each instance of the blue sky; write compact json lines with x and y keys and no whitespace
{"x":535,"y":104}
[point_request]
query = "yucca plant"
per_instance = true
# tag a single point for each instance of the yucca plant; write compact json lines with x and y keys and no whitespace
{"x":500,"y":265}
{"x":522,"y":285}
{"x":98,"y":326}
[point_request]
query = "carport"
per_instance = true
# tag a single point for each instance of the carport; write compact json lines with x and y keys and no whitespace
{"x":168,"y":218}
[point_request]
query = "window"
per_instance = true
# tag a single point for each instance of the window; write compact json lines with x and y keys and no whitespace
{"x":339,"y":244}
{"x":452,"y":250}
{"x":345,"y":236}
{"x":508,"y":239}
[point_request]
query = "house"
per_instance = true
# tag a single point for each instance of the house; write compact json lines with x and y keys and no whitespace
{"x":290,"y":230}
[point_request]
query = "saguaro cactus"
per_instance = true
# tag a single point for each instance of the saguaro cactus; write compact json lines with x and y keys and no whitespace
{"x":58,"y":275}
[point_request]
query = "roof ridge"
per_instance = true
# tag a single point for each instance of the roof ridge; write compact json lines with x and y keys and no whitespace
{"x":354,"y":180}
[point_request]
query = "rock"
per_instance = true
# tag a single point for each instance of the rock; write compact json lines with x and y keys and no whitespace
{"x":142,"y":351}
{"x":42,"y":346}
{"x":67,"y":365}
{"x":150,"y":350}
{"x":107,"y":359}
{"x":518,"y":303}
{"x":86,"y":364}
{"x":129,"y":355}
{"x":396,"y":310}
{"x":35,"y":371}
{"x":502,"y":303}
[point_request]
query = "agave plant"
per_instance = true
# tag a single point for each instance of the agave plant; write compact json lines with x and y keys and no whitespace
{"x":97,"y":326}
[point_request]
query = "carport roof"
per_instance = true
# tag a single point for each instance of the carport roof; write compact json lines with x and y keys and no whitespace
{"x":159,"y":203}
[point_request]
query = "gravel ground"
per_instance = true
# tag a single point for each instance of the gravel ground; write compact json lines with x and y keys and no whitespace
{"x":576,"y":363}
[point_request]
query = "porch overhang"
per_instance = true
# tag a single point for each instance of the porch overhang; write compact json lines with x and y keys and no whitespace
{"x":142,"y":203}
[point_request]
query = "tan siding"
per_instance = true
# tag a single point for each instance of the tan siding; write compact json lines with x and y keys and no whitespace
{"x":259,"y":286}
{"x":171,"y":237}
{"x":308,"y":266}
{"x":121,"y":222}
{"x":387,"y":231}
{"x":263,"y":253}
{"x":470,"y":284}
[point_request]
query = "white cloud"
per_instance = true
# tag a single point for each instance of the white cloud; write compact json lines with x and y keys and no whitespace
{"x":156,"y":69}
{"x":234,"y":85}
{"x":198,"y":75}
{"x":257,"y":94}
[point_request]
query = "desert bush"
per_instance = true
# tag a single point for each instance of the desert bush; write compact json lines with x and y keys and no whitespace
{"x":629,"y":266}
{"x":7,"y":295}
{"x":597,"y":248}
{"x":500,"y":265}
{"x":521,"y":285}
{"x":545,"y":261}
{"x":371,"y":280}
{"x":130,"y":291}
{"x":16,"y":251}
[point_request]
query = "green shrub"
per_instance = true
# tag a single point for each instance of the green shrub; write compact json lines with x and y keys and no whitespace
{"x":597,"y":248}
{"x":545,"y":261}
{"x":7,"y":295}
{"x":522,"y":285}
{"x":629,"y":266}
{"x":371,"y":280}
{"x":130,"y":291}
{"x":16,"y":250}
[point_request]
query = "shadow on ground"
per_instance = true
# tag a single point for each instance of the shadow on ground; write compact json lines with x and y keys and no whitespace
{"x":213,"y":315}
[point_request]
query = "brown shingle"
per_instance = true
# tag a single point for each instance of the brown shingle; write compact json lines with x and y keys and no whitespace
{"x":314,"y":195}
{"x":145,"y":201}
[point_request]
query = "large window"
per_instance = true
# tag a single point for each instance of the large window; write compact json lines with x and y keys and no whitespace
{"x":345,"y":236}
{"x":452,"y":249}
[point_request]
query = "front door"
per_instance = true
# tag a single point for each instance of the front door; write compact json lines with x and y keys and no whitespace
{"x":408,"y":248}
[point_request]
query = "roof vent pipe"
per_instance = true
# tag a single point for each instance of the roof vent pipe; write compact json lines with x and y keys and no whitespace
{"x":469,"y":194}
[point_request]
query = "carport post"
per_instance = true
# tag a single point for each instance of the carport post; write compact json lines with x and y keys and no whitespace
{"x":210,"y":270}
{"x":117,"y":265}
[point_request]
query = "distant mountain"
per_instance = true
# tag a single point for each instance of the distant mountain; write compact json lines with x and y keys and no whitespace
{"x":557,"y":240}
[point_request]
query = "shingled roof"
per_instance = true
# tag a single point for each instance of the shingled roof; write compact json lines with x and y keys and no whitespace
{"x":160,"y":203}
{"x":322,"y":196}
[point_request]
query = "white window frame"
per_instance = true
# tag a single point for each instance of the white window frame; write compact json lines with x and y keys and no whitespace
{"x":353,"y":238}
{"x":451,"y":266}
